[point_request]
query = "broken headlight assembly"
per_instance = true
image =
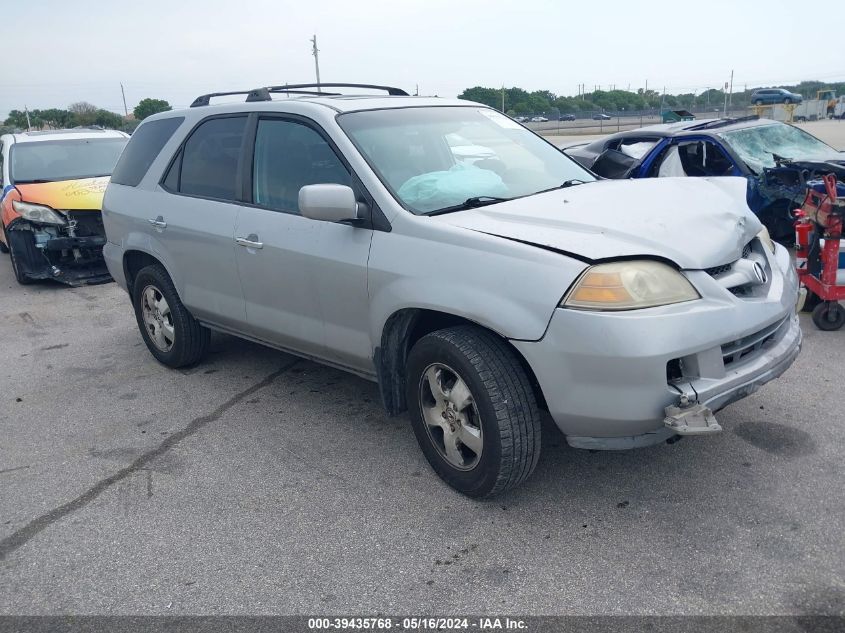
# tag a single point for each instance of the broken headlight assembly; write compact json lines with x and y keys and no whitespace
{"x":38,"y":213}
{"x":629,"y":286}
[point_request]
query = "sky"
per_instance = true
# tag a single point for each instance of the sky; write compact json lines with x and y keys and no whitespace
{"x":57,"y":52}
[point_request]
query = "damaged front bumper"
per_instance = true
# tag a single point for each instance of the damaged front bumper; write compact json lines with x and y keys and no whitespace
{"x":60,"y":253}
{"x":609,"y":378}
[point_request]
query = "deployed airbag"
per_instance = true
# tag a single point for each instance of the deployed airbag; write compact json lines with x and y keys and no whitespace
{"x":439,"y":189}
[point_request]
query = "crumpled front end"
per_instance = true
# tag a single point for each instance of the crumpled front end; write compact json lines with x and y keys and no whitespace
{"x":71,"y":253}
{"x":779,"y":190}
{"x":608,"y":377}
{"x":55,"y":230}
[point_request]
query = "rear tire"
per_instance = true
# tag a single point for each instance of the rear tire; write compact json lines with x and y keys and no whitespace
{"x":171,"y":333}
{"x":492,"y":442}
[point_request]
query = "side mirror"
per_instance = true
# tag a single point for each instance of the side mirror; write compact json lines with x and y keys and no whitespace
{"x":329,"y":203}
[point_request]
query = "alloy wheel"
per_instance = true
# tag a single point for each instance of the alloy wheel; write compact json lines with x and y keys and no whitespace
{"x":158,"y":319}
{"x":451,"y":416}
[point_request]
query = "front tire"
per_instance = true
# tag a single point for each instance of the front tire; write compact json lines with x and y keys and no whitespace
{"x":170,"y":332}
{"x":20,"y":275}
{"x":473,"y":410}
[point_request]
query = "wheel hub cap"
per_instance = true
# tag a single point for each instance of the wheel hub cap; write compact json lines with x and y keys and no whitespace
{"x":157,"y":318}
{"x":451,"y":416}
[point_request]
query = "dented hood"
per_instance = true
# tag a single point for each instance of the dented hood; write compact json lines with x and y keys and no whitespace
{"x":694,"y":222}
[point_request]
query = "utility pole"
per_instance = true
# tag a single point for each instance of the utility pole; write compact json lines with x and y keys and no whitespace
{"x":28,"y":124}
{"x":316,"y":53}
{"x":125,"y":109}
{"x":417,"y":92}
{"x":503,"y":99}
{"x":731,"y":93}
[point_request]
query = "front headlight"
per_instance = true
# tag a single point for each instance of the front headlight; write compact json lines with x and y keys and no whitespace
{"x":629,"y":286}
{"x":37,"y":213}
{"x":764,"y":237}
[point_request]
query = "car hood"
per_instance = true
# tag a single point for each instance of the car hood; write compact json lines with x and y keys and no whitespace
{"x":79,"y":194}
{"x":694,"y":222}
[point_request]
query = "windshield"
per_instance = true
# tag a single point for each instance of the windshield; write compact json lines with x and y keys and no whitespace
{"x":47,"y":161}
{"x":756,"y":145}
{"x":439,"y":157}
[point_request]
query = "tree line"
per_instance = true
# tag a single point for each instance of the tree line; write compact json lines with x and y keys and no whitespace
{"x":82,"y":114}
{"x":519,"y":101}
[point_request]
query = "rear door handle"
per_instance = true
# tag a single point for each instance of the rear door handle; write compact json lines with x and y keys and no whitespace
{"x":249,"y":242}
{"x":158,"y":222}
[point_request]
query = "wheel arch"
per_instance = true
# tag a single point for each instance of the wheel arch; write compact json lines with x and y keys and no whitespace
{"x":134,"y":260}
{"x":401,"y":331}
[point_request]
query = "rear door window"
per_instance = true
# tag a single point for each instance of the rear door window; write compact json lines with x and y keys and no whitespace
{"x":209,"y":159}
{"x":142,"y":150}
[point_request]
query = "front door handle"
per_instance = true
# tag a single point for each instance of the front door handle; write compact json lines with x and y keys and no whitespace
{"x":158,"y":222}
{"x":250,"y":241}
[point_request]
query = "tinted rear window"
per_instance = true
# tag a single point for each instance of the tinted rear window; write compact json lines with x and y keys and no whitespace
{"x":210,"y":159}
{"x":142,"y":150}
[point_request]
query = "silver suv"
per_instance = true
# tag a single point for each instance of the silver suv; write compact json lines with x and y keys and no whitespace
{"x":478,"y":288}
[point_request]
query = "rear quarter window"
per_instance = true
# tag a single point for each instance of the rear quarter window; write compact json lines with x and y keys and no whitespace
{"x":142,"y":150}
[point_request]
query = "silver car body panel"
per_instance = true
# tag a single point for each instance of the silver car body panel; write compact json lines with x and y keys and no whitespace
{"x":611,"y":379}
{"x":326,"y":291}
{"x":614,"y":218}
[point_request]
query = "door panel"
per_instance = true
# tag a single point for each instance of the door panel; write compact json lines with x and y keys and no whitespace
{"x":198,"y":236}
{"x":278,"y":280}
{"x":197,"y":224}
{"x":306,"y":287}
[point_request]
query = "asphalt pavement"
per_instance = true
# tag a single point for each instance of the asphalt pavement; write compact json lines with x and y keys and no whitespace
{"x":256,"y":483}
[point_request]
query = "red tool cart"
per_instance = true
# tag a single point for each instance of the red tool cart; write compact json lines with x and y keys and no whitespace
{"x":818,"y":230}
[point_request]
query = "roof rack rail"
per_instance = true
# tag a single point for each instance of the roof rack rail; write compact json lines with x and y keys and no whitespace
{"x":264,"y":94}
{"x":721,"y":123}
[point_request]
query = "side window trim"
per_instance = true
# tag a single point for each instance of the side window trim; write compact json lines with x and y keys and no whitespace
{"x":376,"y":219}
{"x":179,"y":153}
{"x":293,"y":118}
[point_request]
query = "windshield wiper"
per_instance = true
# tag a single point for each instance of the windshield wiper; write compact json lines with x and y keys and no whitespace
{"x":572,"y":182}
{"x":34,"y":181}
{"x":566,"y":183}
{"x":469,"y":203}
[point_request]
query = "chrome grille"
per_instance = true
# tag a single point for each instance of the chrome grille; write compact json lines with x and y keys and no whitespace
{"x":715,"y":271}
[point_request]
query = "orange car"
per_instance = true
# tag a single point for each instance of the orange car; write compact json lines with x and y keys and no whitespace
{"x":52,"y":192}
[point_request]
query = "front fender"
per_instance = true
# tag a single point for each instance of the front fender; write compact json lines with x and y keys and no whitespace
{"x":509,"y":287}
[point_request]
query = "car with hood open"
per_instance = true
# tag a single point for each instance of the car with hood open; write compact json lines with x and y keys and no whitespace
{"x":775,"y":158}
{"x":53,"y":183}
{"x":345,"y":228}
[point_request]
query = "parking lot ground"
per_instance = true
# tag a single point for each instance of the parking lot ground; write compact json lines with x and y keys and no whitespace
{"x":256,"y":483}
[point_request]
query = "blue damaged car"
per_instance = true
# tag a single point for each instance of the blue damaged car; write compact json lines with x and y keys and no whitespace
{"x":776,"y":158}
